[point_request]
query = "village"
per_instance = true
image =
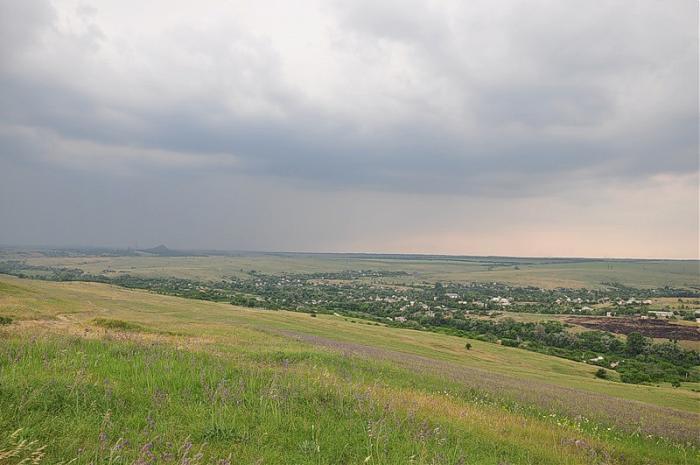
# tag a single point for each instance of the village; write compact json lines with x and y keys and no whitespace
{"x":575,"y":323}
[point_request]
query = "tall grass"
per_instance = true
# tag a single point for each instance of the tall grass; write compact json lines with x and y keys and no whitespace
{"x":103,"y":376}
{"x":116,"y":402}
{"x":16,"y":450}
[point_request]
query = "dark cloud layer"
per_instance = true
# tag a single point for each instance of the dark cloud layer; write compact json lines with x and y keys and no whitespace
{"x":470,"y":101}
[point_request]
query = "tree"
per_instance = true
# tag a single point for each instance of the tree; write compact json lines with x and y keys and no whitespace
{"x":468,"y":346}
{"x":636,"y":343}
{"x":601,"y":373}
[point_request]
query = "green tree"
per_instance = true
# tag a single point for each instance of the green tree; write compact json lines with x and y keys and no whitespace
{"x":636,"y":343}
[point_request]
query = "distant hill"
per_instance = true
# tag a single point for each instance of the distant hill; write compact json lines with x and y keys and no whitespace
{"x":163,"y":251}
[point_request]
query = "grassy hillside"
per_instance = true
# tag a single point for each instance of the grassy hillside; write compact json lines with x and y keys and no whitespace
{"x":93,"y":371}
{"x":516,"y":271}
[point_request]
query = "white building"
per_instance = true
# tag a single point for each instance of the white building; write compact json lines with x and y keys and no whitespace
{"x":659,"y":314}
{"x":500,"y":301}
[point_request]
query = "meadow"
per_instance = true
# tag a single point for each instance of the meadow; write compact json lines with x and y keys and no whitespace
{"x":100,"y":374}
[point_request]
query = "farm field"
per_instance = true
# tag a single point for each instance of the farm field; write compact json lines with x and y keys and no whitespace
{"x":546,"y":273}
{"x":686,"y":330}
{"x":102,"y":374}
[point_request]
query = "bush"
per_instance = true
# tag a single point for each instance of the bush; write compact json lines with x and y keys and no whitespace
{"x":634,"y":377}
{"x":5,"y":320}
{"x":468,"y":346}
{"x":601,"y":373}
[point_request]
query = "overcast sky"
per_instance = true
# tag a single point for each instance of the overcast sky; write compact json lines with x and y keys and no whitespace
{"x":557,"y":128}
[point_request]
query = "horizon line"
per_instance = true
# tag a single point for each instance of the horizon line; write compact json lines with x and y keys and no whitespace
{"x":302,"y":252}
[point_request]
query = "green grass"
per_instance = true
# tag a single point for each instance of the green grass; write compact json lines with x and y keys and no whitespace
{"x":84,"y":398}
{"x":257,"y":330}
{"x":93,"y":371}
{"x":117,"y":325}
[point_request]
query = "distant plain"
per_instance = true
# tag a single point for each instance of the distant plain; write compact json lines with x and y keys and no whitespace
{"x":538,"y":272}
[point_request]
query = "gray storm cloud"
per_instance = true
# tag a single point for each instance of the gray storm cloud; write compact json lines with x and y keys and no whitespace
{"x":276,"y":126}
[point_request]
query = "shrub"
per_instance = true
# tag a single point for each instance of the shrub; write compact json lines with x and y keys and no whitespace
{"x":634,"y":376}
{"x":601,"y":373}
{"x":5,"y":320}
{"x":468,"y":346}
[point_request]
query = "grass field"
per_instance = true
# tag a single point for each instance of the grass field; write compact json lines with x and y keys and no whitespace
{"x":102,"y":374}
{"x":530,"y":272}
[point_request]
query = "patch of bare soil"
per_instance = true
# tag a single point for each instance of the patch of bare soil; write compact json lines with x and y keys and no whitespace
{"x":650,"y":328}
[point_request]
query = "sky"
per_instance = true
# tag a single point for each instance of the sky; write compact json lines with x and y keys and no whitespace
{"x":510,"y":127}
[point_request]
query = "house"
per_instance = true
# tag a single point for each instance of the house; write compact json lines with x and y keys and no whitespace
{"x":452,"y":295}
{"x":659,"y":314}
{"x":599,"y":358}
